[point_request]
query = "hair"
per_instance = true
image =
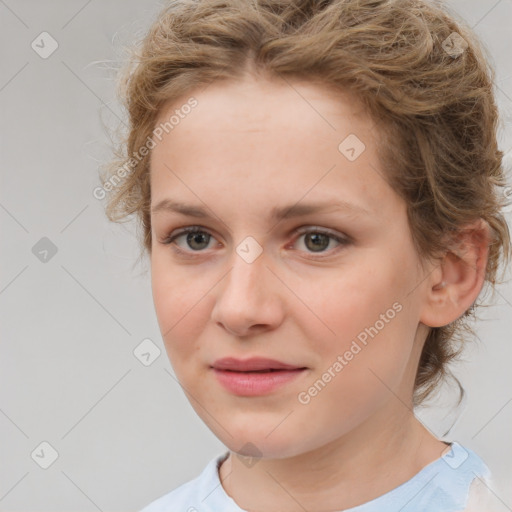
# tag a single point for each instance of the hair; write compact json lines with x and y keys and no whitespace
{"x":436,"y":110}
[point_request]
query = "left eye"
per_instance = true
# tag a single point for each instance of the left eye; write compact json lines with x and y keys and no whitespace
{"x":316,"y":240}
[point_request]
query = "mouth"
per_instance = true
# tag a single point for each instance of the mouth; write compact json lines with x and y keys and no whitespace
{"x":253,"y":365}
{"x":269,"y":370}
{"x":255,"y":376}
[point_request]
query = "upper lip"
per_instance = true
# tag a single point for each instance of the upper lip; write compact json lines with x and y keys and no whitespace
{"x":253,"y":363}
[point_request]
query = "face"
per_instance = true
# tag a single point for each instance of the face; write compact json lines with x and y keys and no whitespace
{"x":335,"y":291}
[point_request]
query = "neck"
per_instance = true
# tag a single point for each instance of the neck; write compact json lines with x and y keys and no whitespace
{"x":348,"y":471}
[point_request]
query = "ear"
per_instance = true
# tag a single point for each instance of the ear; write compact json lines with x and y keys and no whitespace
{"x":453,"y":287}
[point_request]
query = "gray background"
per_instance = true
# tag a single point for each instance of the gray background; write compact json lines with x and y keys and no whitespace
{"x":124,"y":432}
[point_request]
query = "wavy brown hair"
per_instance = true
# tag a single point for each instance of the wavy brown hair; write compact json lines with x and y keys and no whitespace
{"x":435,"y":109}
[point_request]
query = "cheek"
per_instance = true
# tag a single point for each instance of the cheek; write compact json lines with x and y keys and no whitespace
{"x":357,"y":375}
{"x":372,"y":327}
{"x":180,"y":307}
{"x":346,"y":305}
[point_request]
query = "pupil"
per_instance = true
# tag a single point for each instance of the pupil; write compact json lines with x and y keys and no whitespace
{"x":317,"y":239}
{"x":192,"y":238}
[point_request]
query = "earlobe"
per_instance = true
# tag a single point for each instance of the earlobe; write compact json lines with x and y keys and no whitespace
{"x":463,"y":271}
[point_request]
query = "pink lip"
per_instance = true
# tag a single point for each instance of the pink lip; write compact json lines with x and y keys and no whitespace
{"x":235,"y":375}
{"x":253,"y":363}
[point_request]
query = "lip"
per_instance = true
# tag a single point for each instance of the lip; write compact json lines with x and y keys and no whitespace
{"x":252,"y":364}
{"x":268,"y":375}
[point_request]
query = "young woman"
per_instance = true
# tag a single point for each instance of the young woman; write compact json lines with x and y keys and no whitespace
{"x":319,"y":188}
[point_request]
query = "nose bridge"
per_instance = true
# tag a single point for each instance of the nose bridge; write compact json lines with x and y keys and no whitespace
{"x":247,"y":276}
{"x":247,"y":297}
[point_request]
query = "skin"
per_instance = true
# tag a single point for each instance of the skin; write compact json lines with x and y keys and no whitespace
{"x":248,"y":146}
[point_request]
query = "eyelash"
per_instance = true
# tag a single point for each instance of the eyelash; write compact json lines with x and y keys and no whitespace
{"x":343,"y":241}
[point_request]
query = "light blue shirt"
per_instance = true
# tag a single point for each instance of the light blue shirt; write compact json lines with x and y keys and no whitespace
{"x":441,"y":486}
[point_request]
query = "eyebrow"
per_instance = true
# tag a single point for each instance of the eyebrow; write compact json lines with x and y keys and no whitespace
{"x":276,"y":213}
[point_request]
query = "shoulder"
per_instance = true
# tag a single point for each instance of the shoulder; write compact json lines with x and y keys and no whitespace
{"x":444,"y":484}
{"x":458,"y":477}
{"x":191,"y":496}
{"x":482,"y":497}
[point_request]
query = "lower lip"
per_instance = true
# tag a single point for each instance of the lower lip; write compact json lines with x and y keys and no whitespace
{"x":253,"y":384}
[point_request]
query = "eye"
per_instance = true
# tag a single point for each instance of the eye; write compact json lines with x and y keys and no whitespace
{"x":196,"y":238}
{"x":317,"y":240}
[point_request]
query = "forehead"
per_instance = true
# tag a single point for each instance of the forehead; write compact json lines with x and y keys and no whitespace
{"x":252,"y":101}
{"x":274,"y":137}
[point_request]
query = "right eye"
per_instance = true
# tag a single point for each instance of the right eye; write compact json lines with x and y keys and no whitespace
{"x":196,"y":238}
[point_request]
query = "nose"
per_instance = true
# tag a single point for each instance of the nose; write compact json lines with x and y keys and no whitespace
{"x":249,"y":299}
